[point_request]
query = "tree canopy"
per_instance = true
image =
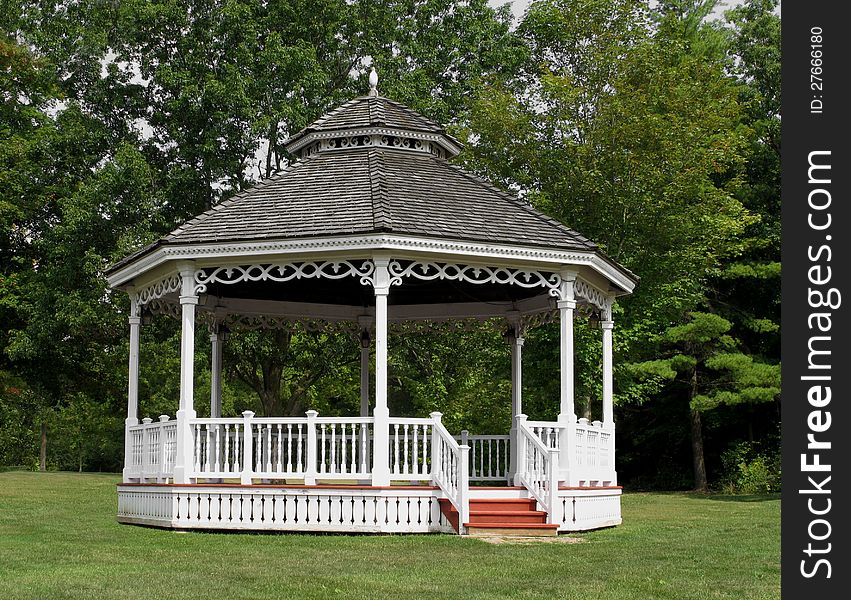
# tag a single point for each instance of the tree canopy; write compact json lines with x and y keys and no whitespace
{"x":651,"y":129}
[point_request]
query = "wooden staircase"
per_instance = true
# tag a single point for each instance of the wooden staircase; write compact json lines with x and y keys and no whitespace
{"x":502,"y":516}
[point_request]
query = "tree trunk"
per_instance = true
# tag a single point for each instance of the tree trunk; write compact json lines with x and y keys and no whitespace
{"x":42,"y":453}
{"x":700,"y":483}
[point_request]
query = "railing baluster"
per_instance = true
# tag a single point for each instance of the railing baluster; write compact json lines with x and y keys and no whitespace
{"x":354,"y":465}
{"x":405,"y":456}
{"x":289,"y":448}
{"x":279,"y":446}
{"x":299,"y":464}
{"x":268,"y":447}
{"x":343,"y":448}
{"x":322,"y":468}
{"x":333,"y":465}
{"x":363,"y":454}
{"x":396,"y":449}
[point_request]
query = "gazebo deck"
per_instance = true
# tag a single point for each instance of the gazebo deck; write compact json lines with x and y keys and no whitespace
{"x":315,"y":474}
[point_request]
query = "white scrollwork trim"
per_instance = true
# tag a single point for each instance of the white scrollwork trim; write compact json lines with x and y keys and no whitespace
{"x":592,"y":295}
{"x":430,"y":271}
{"x":282,"y":272}
{"x":157,"y":290}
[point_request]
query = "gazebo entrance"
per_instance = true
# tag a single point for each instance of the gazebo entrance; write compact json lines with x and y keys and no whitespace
{"x":370,"y":228}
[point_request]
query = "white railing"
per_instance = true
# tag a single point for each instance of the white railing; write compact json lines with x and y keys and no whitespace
{"x":593,"y":452}
{"x":410,"y":457}
{"x":449,"y":469}
{"x":345,"y":447}
{"x":153,"y":449}
{"x":538,"y":469}
{"x":490,"y":456}
{"x":549,"y":432}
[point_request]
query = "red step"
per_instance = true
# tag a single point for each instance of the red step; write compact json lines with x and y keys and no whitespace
{"x":506,"y":504}
{"x":508,"y":516}
{"x":501,"y":516}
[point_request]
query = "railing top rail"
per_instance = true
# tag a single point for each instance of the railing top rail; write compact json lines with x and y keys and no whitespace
{"x":346,"y":420}
{"x":411,"y":421}
{"x":550,"y":424}
{"x":593,"y":425}
{"x":542,"y":447}
{"x":216,"y":421}
{"x":440,"y":428}
{"x":489,"y":436}
{"x":152,"y":425}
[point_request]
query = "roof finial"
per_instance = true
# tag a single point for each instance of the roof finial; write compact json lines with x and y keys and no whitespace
{"x":373,"y":82}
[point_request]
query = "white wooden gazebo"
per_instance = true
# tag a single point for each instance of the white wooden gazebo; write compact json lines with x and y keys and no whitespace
{"x":370,"y":228}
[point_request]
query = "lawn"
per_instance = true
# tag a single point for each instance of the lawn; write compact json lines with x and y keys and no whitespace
{"x":59,"y":539}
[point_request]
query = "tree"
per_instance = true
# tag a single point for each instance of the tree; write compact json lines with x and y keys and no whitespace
{"x":696,"y":350}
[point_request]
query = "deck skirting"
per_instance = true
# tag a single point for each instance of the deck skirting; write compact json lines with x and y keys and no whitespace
{"x":270,"y":508}
{"x":331,"y":509}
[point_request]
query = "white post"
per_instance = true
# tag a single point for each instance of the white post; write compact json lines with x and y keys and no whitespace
{"x":436,"y":418}
{"x":162,"y":477}
{"x":516,"y":340}
{"x":464,"y":487}
{"x":135,"y":321}
{"x":567,"y":411}
{"x":608,"y":392}
{"x":519,"y":421}
{"x":217,"y":339}
{"x":247,"y":448}
{"x":381,"y":428}
{"x":310,"y":465}
{"x":183,"y":459}
{"x":554,"y":515}
{"x":608,"y":401}
{"x":146,"y":450}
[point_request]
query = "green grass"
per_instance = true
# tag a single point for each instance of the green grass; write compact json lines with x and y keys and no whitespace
{"x":59,"y":539}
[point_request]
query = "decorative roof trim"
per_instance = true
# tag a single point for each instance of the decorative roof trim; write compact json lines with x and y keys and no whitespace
{"x":452,"y":148}
{"x":364,"y":245}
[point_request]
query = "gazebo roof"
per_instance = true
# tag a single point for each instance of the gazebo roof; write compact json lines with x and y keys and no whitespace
{"x":374,"y":167}
{"x":377,"y":190}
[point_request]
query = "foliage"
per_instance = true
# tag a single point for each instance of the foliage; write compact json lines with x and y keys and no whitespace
{"x":650,"y":129}
{"x":749,"y":471}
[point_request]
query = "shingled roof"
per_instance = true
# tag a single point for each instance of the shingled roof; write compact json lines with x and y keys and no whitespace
{"x":370,"y":166}
{"x":372,"y":190}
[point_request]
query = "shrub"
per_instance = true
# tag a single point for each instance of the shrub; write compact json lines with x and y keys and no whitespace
{"x":748,"y":470}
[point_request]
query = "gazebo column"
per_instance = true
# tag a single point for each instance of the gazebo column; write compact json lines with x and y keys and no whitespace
{"x":515,"y":339}
{"x":135,"y":320}
{"x":567,"y":412}
{"x":217,"y":340}
{"x":608,"y":397}
{"x":608,"y":391}
{"x":381,"y":414}
{"x":184,"y":447}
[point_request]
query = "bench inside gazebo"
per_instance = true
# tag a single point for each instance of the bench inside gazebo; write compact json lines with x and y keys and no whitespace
{"x":369,"y":231}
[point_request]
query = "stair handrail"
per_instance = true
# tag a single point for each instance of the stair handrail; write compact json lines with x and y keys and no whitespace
{"x":538,"y":469}
{"x":450,"y":468}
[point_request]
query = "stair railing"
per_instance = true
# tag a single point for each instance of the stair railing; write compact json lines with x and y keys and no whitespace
{"x":538,"y":469}
{"x":450,"y":469}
